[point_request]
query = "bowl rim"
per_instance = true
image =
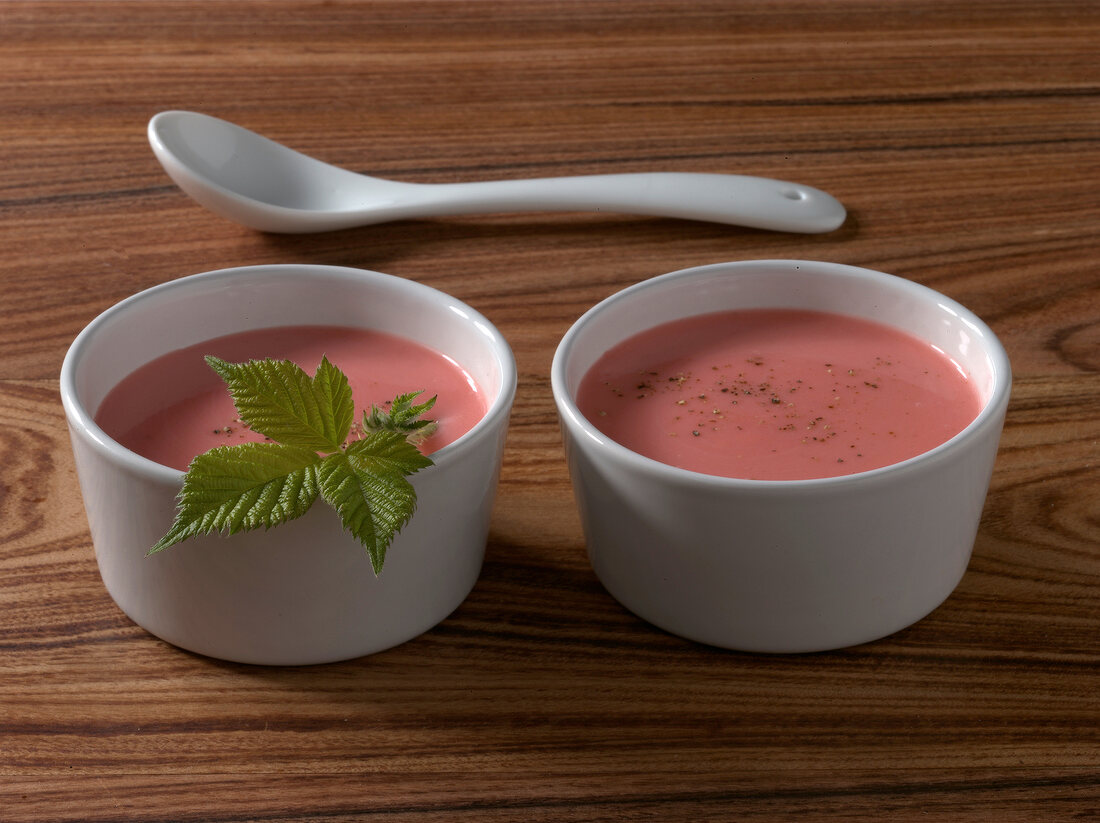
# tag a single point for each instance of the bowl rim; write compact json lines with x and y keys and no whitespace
{"x":991,"y":413}
{"x":83,"y":422}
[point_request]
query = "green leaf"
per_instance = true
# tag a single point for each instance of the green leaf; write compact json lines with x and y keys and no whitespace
{"x":366,"y":485}
{"x":239,"y":488}
{"x":402,"y":416}
{"x":279,"y":400}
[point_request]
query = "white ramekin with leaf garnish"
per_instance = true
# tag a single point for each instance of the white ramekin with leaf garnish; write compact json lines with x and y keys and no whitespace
{"x":304,"y":587}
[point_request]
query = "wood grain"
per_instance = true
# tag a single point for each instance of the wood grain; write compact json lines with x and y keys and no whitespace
{"x":965,"y":140}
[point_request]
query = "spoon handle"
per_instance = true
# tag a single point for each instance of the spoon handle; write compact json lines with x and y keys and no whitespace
{"x":756,"y":202}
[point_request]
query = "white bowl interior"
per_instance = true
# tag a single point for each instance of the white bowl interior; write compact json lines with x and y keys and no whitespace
{"x":829,"y":287}
{"x":192,"y":309}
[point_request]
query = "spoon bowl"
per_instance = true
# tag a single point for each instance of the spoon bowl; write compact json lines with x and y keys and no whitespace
{"x":265,"y":185}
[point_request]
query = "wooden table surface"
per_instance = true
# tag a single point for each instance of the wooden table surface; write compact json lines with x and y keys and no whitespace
{"x":965,"y":141}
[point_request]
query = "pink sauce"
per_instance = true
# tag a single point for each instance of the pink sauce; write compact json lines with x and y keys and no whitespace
{"x":177,"y":407}
{"x":777,"y":395}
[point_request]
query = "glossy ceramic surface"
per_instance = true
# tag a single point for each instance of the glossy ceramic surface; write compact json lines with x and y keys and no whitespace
{"x":305,"y":591}
{"x":782,"y":566}
{"x":265,"y":185}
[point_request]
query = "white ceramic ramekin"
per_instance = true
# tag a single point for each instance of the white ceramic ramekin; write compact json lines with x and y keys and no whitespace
{"x":303,"y":592}
{"x":782,"y":566}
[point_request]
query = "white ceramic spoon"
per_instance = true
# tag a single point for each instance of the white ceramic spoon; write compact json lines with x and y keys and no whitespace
{"x":267,"y":186}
